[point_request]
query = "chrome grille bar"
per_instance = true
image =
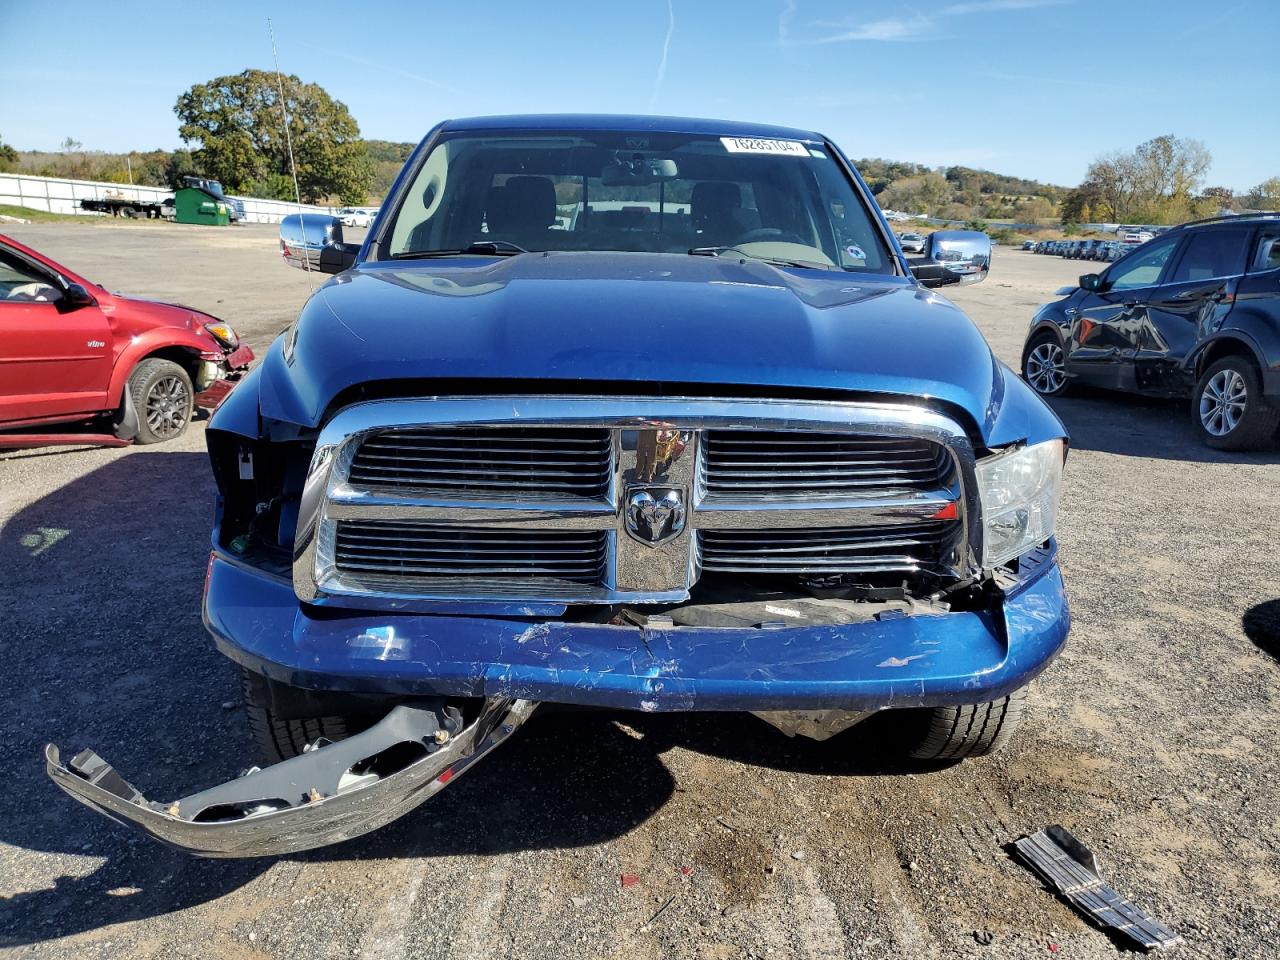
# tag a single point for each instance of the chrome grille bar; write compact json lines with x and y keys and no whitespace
{"x":901,"y":548}
{"x":390,"y":548}
{"x":545,"y":461}
{"x":769,"y":464}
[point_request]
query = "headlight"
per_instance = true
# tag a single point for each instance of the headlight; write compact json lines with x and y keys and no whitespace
{"x":223,"y":333}
{"x":1019,"y":491}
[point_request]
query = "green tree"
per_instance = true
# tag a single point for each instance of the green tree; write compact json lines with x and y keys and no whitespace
{"x":8,"y":157}
{"x":924,"y":193}
{"x":1082,"y":204}
{"x":1265,"y":196}
{"x":237,"y":126}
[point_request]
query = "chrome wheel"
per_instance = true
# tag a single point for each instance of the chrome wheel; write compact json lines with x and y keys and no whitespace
{"x":1046,"y":367}
{"x":167,"y":404}
{"x":1223,"y":402}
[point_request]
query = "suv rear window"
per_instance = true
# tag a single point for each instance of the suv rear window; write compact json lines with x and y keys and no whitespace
{"x":1211,"y":254}
{"x":1268,"y":255}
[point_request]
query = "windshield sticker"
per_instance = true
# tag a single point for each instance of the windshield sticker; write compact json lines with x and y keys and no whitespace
{"x":855,"y":251}
{"x":785,"y":148}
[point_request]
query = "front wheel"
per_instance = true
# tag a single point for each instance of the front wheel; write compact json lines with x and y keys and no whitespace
{"x":1229,"y":409}
{"x":1044,"y":366}
{"x":163,"y":398}
{"x":973,"y":730}
{"x":280,"y":738}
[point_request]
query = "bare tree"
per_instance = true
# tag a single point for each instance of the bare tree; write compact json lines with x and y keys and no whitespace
{"x":1172,"y":166}
{"x":1156,"y":181}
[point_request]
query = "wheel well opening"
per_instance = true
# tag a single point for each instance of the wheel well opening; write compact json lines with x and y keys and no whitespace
{"x":1226,"y":347}
{"x":188,"y":360}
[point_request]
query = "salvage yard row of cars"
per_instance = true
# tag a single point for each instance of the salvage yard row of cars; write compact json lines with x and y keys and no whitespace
{"x":1092,"y":248}
{"x":786,"y":478}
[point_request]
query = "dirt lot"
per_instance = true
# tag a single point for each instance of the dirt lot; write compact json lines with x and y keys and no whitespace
{"x":1155,"y":736}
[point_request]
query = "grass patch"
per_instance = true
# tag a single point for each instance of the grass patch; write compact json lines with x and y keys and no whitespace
{"x":38,"y":216}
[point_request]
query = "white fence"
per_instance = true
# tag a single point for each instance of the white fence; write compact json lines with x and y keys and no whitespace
{"x":55,"y":195}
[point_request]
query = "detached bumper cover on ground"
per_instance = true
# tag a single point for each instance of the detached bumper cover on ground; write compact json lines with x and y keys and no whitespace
{"x":324,"y":796}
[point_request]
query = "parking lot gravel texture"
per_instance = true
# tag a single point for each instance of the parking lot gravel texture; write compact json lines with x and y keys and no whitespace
{"x":1153,"y":737}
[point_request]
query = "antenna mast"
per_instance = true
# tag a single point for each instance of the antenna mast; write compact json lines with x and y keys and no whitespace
{"x":288,"y":142}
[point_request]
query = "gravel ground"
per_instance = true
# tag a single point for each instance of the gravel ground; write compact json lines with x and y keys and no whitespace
{"x":1153,"y":738}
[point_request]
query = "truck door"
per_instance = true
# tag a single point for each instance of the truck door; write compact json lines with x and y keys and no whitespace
{"x":1106,"y":324}
{"x":55,"y":360}
{"x":1191,"y":303}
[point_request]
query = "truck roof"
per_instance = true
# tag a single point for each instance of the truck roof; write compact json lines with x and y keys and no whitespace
{"x":598,"y":121}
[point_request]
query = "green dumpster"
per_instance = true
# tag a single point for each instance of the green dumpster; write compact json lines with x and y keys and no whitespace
{"x":193,"y":205}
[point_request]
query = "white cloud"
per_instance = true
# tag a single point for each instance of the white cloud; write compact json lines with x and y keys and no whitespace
{"x":990,"y":6}
{"x":891,"y":29}
{"x":785,"y":19}
{"x":666,"y":47}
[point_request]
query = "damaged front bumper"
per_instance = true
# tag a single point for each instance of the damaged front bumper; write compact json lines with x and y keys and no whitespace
{"x":219,"y":373}
{"x":810,"y":679}
{"x":917,"y":660}
{"x":331,"y":793}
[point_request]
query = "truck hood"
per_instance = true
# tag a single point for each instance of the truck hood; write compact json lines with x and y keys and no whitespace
{"x":657,"y":320}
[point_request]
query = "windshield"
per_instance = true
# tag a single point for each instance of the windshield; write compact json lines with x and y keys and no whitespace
{"x":779,"y":200}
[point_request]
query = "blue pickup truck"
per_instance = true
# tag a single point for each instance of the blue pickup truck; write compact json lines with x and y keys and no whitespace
{"x":636,"y":413}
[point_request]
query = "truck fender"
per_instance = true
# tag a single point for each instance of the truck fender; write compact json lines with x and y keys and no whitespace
{"x":151,"y":342}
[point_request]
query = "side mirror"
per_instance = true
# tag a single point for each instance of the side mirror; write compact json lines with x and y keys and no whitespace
{"x":953,"y":257}
{"x":315,"y":239}
{"x":336,"y":257}
{"x":75,"y":296}
{"x":1091,"y":281}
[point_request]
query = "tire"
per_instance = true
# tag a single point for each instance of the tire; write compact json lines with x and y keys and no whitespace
{"x":279,"y":739}
{"x":1044,"y":366}
{"x":1228,"y":408}
{"x":163,"y":398}
{"x":973,"y":730}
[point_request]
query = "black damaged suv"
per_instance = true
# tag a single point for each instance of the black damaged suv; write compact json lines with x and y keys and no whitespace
{"x":1193,"y":313}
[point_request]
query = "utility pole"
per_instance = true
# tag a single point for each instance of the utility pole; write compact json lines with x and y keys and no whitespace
{"x":128,"y":161}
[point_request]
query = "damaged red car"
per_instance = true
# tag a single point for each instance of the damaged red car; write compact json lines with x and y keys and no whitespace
{"x":72,"y":352}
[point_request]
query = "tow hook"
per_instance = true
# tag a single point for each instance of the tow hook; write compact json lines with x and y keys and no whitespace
{"x":330,"y":793}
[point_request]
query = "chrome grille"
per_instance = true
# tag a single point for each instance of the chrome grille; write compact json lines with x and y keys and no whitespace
{"x":487,"y":461}
{"x":616,"y":500}
{"x":900,"y":548}
{"x":383,"y":548}
{"x":763,"y":465}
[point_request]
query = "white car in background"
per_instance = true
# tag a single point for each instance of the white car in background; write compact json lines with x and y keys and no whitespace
{"x":353,"y":217}
{"x":912,"y":242}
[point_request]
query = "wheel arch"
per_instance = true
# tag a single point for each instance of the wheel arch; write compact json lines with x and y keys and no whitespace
{"x":1234,"y":343}
{"x":186,"y":352}
{"x":1046,"y":326}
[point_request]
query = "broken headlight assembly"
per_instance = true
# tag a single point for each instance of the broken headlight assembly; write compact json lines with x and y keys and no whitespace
{"x":1019,"y":489}
{"x":222,"y":332}
{"x":259,"y":484}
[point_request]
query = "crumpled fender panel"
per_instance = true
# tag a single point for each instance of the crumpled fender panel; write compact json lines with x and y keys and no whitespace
{"x":308,"y":801}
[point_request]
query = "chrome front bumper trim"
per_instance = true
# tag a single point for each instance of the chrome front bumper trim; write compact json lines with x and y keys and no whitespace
{"x":309,"y":801}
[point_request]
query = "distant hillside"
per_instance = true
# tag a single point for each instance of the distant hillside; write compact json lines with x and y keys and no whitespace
{"x":956,"y":193}
{"x":387,"y":158}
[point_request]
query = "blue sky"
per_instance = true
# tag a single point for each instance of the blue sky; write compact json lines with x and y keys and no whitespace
{"x":1035,"y":88}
